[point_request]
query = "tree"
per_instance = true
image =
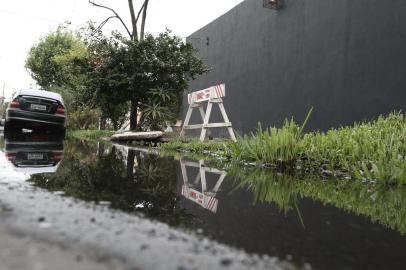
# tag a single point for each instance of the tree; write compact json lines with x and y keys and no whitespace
{"x":58,"y":62}
{"x":133,"y":36}
{"x":132,"y":71}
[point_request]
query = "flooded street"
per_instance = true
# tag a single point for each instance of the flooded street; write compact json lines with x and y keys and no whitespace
{"x":309,"y":223}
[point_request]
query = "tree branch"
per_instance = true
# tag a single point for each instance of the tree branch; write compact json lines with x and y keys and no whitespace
{"x":102,"y":24}
{"x":139,"y":12}
{"x":115,"y":13}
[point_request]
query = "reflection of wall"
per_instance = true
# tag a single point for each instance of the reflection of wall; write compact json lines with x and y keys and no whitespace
{"x":331,"y":239}
{"x":347,"y":58}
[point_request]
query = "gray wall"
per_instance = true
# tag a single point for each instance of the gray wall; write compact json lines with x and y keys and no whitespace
{"x":346,"y":58}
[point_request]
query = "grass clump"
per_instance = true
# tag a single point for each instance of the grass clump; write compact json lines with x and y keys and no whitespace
{"x":279,"y":146}
{"x":372,"y":150}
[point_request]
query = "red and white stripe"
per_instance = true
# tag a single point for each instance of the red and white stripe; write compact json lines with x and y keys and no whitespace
{"x":220,"y":90}
{"x":212,"y":204}
{"x":209,"y":203}
{"x":217,"y":91}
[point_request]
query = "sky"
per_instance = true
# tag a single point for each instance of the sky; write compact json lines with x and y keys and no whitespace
{"x":24,"y":22}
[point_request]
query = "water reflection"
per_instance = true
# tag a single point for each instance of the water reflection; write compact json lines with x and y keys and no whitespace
{"x":256,"y":210}
{"x":130,"y":180}
{"x":268,"y":186}
{"x":34,"y":153}
{"x":205,"y":198}
{"x":383,"y":204}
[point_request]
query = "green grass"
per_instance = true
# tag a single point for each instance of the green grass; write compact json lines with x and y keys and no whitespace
{"x":91,"y":135}
{"x":278,"y":146}
{"x":374,"y":151}
{"x":195,"y":146}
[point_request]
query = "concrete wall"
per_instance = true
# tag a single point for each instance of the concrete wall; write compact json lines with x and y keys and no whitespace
{"x":346,"y":58}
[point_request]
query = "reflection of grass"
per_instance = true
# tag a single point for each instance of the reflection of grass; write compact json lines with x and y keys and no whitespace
{"x":381,"y":203}
{"x":269,"y":187}
{"x":92,"y":135}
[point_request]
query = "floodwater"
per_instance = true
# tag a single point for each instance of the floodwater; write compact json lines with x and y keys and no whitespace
{"x":314,"y":223}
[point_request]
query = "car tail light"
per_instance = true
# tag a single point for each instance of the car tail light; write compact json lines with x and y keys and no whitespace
{"x":15,"y":103}
{"x":60,"y":110}
{"x":58,"y":156}
{"x":11,"y":156}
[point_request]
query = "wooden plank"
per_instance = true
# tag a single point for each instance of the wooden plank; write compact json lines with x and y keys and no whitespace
{"x":214,"y":125}
{"x":211,"y":125}
{"x":207,"y":169}
{"x":193,"y":126}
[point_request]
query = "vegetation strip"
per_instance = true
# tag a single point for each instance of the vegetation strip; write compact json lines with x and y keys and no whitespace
{"x":91,"y":135}
{"x":374,"y":151}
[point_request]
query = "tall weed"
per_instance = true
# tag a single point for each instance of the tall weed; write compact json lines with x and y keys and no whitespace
{"x":279,"y":146}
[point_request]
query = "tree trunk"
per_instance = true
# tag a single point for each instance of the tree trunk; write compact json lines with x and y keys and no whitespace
{"x":133,"y":20}
{"x":133,"y":114}
{"x":144,"y":17}
{"x":102,"y":123}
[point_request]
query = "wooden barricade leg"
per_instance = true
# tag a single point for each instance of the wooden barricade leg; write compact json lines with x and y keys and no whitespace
{"x":206,"y":121}
{"x":219,"y":182}
{"x":197,"y":179}
{"x":202,"y":113}
{"x":224,"y":114}
{"x":184,"y":173}
{"x":202,"y":176}
{"x":187,"y":119}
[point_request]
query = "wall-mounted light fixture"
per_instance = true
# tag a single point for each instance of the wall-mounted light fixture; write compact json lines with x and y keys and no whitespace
{"x":273,"y":4}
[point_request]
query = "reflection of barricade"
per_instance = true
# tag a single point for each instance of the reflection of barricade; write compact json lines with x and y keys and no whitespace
{"x":204,"y":198}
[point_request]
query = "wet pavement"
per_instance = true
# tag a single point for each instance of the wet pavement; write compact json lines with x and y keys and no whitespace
{"x":288,"y":222}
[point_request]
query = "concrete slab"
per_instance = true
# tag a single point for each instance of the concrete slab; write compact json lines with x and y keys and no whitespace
{"x":137,"y":136}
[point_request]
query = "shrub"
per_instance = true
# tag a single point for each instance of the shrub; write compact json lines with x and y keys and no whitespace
{"x":83,"y":118}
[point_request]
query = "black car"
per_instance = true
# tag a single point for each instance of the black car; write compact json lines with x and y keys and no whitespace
{"x":36,"y":110}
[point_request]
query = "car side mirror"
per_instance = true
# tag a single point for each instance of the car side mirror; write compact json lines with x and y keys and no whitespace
{"x":2,"y":122}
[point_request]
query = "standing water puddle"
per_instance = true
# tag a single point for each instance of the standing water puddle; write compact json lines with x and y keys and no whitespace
{"x":315,"y":223}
